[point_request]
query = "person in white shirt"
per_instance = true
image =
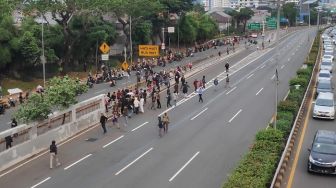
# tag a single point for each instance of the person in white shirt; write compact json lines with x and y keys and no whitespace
{"x":136,"y":105}
{"x":141,"y":107}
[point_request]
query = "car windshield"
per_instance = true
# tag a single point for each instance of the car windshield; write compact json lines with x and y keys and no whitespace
{"x":324,"y":102}
{"x":324,"y":86}
{"x":324,"y":75}
{"x":328,"y":53}
{"x":327,"y":56}
{"x":326,"y":63}
{"x":324,"y":148}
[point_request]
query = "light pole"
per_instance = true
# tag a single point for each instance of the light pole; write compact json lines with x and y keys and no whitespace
{"x":276,"y":65}
{"x":43,"y":59}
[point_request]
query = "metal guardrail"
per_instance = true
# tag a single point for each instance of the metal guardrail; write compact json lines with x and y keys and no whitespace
{"x":289,"y":148}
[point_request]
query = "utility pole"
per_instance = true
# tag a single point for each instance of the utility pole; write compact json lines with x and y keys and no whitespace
{"x":43,"y":59}
{"x":276,"y":65}
{"x":309,"y":14}
{"x":163,"y":39}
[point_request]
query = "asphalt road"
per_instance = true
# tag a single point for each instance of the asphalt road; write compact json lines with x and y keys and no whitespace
{"x":205,"y":140}
{"x":300,"y":178}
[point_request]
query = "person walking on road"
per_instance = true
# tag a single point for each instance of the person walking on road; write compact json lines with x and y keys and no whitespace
{"x":195,"y":84}
{"x":141,"y":105}
{"x":9,"y":141}
{"x":136,"y":104}
{"x":227,"y":66}
{"x":125,"y":114}
{"x":153,"y":107}
{"x":227,"y":81}
{"x":160,"y":124}
{"x":115,"y":119}
{"x":53,"y":154}
{"x":175,"y":96}
{"x":168,"y":100}
{"x":200,"y":93}
{"x":103,"y":120}
{"x":158,"y":100}
{"x":185,"y":89}
{"x":219,"y":53}
{"x":203,"y":82}
{"x":165,"y":120}
{"x":215,"y":83}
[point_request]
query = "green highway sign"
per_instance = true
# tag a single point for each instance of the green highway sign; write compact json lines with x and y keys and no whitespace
{"x":271,"y":24}
{"x":254,"y":26}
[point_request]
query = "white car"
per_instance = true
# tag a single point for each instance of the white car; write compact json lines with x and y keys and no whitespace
{"x":327,"y":46}
{"x":328,"y":57}
{"x":327,"y":65}
{"x":324,"y":75}
{"x":324,"y":106}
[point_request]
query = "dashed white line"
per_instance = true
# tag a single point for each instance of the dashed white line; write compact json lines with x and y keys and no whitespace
{"x":235,"y":115}
{"x":262,"y":66}
{"x":259,"y":91}
{"x":231,"y":90}
{"x":288,"y":59}
{"x":113,"y":141}
{"x":40,"y":182}
{"x":139,"y":126}
{"x":273,"y":77}
{"x":283,"y":66}
{"x":99,"y":91}
{"x":199,"y":114}
{"x":250,"y":76}
{"x":120,"y":171}
{"x":66,"y":168}
{"x":179,"y":171}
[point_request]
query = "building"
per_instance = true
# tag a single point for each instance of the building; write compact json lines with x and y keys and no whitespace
{"x":222,"y":19}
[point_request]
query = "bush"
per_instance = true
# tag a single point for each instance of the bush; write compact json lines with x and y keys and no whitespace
{"x":298,"y":81}
{"x":304,"y":72}
{"x":288,"y":105}
{"x":269,"y":135}
{"x":286,"y":115}
{"x":296,"y":95}
{"x":284,"y":126}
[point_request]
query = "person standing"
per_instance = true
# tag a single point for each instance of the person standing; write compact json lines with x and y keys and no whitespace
{"x":227,"y":81}
{"x":219,"y":53}
{"x":183,"y":80}
{"x":168,"y":100}
{"x":185,"y":89}
{"x":53,"y":154}
{"x":115,"y":119}
{"x":175,"y":96}
{"x":153,"y":102}
{"x":103,"y":120}
{"x":9,"y":141}
{"x":158,"y":100}
{"x":200,"y":93}
{"x":165,"y":121}
{"x":125,"y":114}
{"x":176,"y":88}
{"x":136,"y":105}
{"x":141,"y":105}
{"x":203,"y":82}
{"x":160,"y":125}
{"x":195,"y":84}
{"x":227,"y":66}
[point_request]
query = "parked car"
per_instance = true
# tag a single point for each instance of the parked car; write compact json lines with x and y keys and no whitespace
{"x":324,"y":86}
{"x":329,"y":53}
{"x":328,"y":57}
{"x":326,"y":65}
{"x":322,"y":154}
{"x":324,"y":106}
{"x":324,"y":75}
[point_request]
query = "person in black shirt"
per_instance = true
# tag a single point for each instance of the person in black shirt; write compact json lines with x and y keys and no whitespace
{"x":103,"y":120}
{"x":9,"y":141}
{"x":53,"y":154}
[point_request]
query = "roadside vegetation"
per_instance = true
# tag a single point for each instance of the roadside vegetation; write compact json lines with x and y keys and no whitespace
{"x":257,"y":167}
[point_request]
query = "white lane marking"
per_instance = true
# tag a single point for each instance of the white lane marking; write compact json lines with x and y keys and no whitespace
{"x":250,"y":76}
{"x":179,"y":171}
{"x":235,"y":115}
{"x":99,"y":91}
{"x":199,"y":114}
{"x":231,"y":90}
{"x":288,"y":59}
{"x":139,"y":126}
{"x":113,"y":141}
{"x":262,"y":66}
{"x":273,"y":77}
{"x":120,"y":171}
{"x":259,"y":91}
{"x":66,"y":168}
{"x":40,"y":182}
{"x":283,"y":66}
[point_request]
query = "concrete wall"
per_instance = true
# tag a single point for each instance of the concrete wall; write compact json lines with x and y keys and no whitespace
{"x":36,"y":144}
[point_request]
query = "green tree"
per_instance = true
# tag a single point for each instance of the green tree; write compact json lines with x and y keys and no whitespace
{"x":29,"y":48}
{"x":244,"y":15}
{"x":290,"y":13}
{"x":35,"y":109}
{"x":142,"y":32}
{"x":207,"y":27}
{"x":188,"y":29}
{"x":8,"y":34}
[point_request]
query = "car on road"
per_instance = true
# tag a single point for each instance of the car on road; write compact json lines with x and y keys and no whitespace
{"x":324,"y":86}
{"x":254,"y":35}
{"x":322,"y":154}
{"x":328,"y":57}
{"x":326,"y":65}
{"x":324,"y":75}
{"x":329,"y":52}
{"x":324,"y":106}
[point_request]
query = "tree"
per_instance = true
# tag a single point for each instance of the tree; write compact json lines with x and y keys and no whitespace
{"x":142,"y":32}
{"x":29,"y":48}
{"x":290,"y":13}
{"x":188,"y":29}
{"x":244,"y":15}
{"x":207,"y":27}
{"x":35,"y":109}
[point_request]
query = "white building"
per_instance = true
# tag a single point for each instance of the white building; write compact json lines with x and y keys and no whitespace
{"x":210,"y":4}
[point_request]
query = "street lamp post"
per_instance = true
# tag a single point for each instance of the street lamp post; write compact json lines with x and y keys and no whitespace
{"x":276,"y":66}
{"x":43,"y":59}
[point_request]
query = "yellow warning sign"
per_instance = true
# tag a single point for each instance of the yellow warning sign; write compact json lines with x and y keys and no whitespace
{"x":104,"y":48}
{"x":124,"y":65}
{"x":149,"y":50}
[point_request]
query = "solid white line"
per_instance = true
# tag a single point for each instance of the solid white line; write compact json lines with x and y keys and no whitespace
{"x":40,"y":182}
{"x":250,"y":76}
{"x":273,"y":77}
{"x":235,"y":115}
{"x":172,"y":178}
{"x":112,"y":141}
{"x":99,"y":91}
{"x":282,"y":66}
{"x":139,"y":126}
{"x":231,"y":90}
{"x":262,"y":66}
{"x":66,"y":168}
{"x":199,"y":114}
{"x":132,"y":162}
{"x":259,"y":91}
